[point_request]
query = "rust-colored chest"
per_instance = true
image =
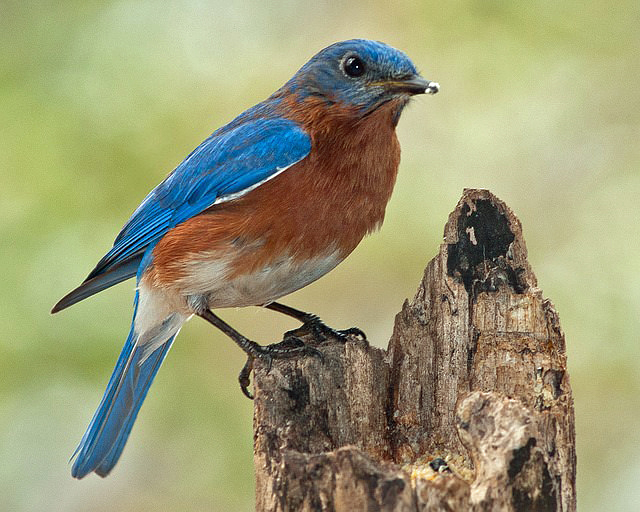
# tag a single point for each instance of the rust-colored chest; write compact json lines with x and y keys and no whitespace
{"x":336,"y":195}
{"x":325,"y":204}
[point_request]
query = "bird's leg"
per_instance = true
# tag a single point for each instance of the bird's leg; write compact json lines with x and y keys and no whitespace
{"x":289,"y":347}
{"x":312,"y":323}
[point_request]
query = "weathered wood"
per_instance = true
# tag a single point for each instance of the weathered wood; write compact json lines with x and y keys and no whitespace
{"x":475,"y":374}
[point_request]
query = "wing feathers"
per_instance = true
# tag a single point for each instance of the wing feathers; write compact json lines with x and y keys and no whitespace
{"x":91,"y":286}
{"x":231,"y":162}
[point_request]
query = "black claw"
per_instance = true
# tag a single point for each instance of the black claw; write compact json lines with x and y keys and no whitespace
{"x":311,"y":324}
{"x":290,"y":346}
{"x":289,"y":342}
{"x":354,"y":331}
{"x":269,"y":361}
{"x":287,"y":348}
{"x":323,"y":332}
{"x":244,"y":377}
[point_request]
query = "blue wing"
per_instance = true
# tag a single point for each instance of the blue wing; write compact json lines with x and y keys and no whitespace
{"x":232,"y":160}
{"x":222,"y":165}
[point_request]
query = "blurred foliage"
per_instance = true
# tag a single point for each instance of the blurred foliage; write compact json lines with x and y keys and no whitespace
{"x":99,"y":100}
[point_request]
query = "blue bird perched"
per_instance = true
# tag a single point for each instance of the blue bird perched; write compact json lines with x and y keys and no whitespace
{"x":264,"y":206}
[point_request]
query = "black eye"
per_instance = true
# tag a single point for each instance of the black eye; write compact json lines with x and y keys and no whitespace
{"x":353,"y":66}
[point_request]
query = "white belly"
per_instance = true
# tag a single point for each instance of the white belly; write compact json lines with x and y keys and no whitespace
{"x":207,"y":280}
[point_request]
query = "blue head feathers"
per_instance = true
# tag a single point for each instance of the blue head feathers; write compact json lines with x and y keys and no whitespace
{"x":359,"y":73}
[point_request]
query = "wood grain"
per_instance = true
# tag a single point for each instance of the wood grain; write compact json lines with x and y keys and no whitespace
{"x":474,"y":374}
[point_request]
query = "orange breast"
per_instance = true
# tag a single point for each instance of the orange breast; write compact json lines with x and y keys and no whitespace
{"x":329,"y":201}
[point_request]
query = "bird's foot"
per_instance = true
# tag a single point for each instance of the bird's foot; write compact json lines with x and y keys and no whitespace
{"x":322,"y":332}
{"x":289,"y":347}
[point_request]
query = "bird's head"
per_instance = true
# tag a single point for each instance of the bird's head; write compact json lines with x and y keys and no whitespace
{"x":361,"y":74}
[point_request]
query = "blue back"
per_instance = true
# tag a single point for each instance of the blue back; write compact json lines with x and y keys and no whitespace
{"x":229,"y":162}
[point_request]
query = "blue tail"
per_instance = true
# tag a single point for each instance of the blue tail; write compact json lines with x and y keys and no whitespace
{"x":104,"y":440}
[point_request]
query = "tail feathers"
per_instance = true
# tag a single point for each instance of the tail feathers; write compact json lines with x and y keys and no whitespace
{"x":98,"y":283}
{"x":104,"y":440}
{"x":112,"y":457}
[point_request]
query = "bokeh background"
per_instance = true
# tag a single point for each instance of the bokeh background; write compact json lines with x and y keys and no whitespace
{"x":99,"y":100}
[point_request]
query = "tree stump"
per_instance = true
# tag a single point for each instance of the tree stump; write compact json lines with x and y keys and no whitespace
{"x":469,"y":408}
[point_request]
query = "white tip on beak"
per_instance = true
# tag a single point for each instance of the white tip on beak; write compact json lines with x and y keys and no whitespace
{"x":433,"y":88}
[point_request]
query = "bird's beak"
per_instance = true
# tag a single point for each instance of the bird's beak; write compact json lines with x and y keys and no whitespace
{"x":414,"y":85}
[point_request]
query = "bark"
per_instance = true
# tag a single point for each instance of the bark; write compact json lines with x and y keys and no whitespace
{"x":469,"y":408}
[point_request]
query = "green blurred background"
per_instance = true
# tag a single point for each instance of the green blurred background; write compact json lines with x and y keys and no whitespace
{"x":99,"y":100}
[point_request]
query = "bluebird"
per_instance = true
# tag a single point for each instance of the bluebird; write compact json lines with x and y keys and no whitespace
{"x":264,"y":206}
